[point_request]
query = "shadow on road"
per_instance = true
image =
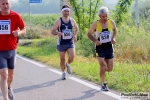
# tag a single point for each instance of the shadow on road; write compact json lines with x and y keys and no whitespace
{"x":87,"y":94}
{"x":46,"y":84}
{"x":28,"y":88}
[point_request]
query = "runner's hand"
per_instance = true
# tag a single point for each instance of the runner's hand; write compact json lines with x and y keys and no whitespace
{"x":98,"y":43}
{"x":113,"y":41}
{"x":59,"y":34}
{"x":16,"y":33}
{"x":75,"y":38}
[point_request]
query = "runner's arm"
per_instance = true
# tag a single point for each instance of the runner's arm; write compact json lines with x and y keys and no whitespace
{"x":76,"y":28}
{"x":22,"y":31}
{"x":114,"y":30}
{"x":19,"y":32}
{"x":21,"y":27}
{"x":91,"y":31}
{"x":55,"y":27}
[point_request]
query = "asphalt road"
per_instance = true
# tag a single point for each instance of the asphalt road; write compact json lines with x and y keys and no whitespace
{"x":36,"y":81}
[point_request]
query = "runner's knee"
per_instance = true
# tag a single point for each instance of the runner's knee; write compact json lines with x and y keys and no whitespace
{"x":71,"y":58}
{"x":62,"y":59}
{"x":109,"y":69}
{"x":102,"y":67}
{"x":10,"y":76}
{"x":4,"y":75}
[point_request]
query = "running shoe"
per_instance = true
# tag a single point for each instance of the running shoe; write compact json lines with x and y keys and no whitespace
{"x":10,"y":94}
{"x":68,"y":68}
{"x":63,"y":76}
{"x":104,"y":87}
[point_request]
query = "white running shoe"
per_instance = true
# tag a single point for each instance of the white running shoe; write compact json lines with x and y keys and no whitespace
{"x":10,"y":94}
{"x":63,"y":76}
{"x":68,"y":68}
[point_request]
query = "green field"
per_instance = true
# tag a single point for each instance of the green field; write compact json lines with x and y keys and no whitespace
{"x":132,"y":53}
{"x":125,"y":77}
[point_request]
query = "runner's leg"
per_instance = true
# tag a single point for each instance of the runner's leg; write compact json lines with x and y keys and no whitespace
{"x":62,"y":60}
{"x":71,"y":55}
{"x":110,"y":64}
{"x":4,"y":86}
{"x":102,"y":64}
{"x":11,"y":64}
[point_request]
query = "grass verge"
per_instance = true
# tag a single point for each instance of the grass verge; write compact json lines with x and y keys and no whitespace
{"x":126,"y":76}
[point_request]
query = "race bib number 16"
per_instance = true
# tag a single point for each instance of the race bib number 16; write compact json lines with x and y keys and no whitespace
{"x":4,"y":26}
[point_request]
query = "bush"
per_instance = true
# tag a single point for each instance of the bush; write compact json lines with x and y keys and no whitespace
{"x":31,"y":34}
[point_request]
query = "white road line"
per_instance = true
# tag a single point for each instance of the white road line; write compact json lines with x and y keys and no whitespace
{"x":84,"y":83}
{"x":73,"y":78}
{"x":33,"y":62}
{"x":95,"y":87}
{"x":55,"y":71}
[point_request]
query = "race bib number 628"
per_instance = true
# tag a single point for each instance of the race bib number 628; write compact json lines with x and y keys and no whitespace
{"x":105,"y":37}
{"x":4,"y":26}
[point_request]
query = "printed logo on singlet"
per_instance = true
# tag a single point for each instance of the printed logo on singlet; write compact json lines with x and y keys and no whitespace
{"x":67,"y":33}
{"x":4,"y":26}
{"x":105,"y":37}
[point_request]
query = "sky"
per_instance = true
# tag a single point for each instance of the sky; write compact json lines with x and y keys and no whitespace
{"x":110,"y":4}
{"x":111,"y":1}
{"x":107,"y":1}
{"x":14,"y":0}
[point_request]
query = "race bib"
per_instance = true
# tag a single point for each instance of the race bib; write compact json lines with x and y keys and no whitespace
{"x":5,"y":27}
{"x":105,"y":37}
{"x":67,"y":34}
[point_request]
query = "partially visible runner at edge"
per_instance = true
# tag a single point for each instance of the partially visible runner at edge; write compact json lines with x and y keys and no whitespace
{"x":105,"y":34}
{"x":66,"y":29}
{"x":11,"y":26}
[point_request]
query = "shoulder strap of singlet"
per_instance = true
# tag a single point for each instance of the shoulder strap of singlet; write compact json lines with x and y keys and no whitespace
{"x":69,"y":22}
{"x":110,"y":25}
{"x":99,"y":27}
{"x":63,"y":21}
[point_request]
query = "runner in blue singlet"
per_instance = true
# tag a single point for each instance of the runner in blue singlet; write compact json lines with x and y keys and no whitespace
{"x":63,"y":28}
